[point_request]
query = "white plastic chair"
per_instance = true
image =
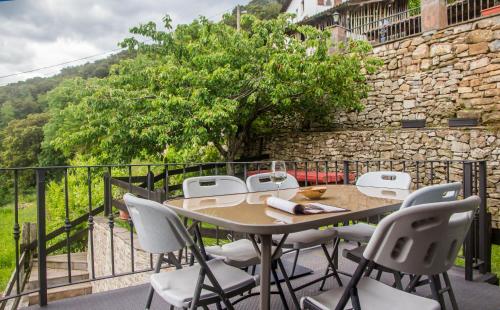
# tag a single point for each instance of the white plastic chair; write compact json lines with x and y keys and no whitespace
{"x":433,"y":193}
{"x":361,"y":232}
{"x":418,"y":241}
{"x":262,"y":182}
{"x":161,"y":232}
{"x":386,"y":179}
{"x":213,"y":186}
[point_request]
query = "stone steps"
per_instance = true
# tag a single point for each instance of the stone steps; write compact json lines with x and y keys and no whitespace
{"x":59,"y":293}
{"x":78,"y":261}
{"x":57,"y":274}
{"x":56,"y":277}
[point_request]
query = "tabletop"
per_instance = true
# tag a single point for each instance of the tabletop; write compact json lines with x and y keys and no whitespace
{"x":248,"y":213}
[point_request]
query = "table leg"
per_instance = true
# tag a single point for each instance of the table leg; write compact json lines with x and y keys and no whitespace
{"x":265,"y":272}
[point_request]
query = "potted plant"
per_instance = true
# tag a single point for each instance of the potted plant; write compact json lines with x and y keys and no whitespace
{"x":124,"y":215}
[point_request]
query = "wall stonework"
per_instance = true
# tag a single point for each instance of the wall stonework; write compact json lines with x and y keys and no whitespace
{"x":122,"y":261}
{"x":435,"y":75}
{"x":402,"y":144}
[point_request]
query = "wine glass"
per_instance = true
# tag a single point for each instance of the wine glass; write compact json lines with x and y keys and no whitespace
{"x":278,"y":175}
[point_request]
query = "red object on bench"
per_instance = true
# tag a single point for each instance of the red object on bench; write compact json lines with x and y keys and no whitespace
{"x":310,"y":176}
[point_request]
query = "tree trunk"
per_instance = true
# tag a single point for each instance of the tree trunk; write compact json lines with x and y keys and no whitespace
{"x":230,"y":166}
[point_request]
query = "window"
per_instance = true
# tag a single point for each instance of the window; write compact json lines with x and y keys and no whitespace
{"x":321,"y":2}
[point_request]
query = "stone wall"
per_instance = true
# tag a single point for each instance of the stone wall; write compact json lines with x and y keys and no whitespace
{"x":404,"y":144}
{"x":453,"y":72}
{"x":122,"y":261}
{"x":436,"y":75}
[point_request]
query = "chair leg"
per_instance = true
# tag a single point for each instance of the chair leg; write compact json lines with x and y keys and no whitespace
{"x":435,"y":283}
{"x":150,"y":297}
{"x":350,"y":290}
{"x":332,"y":266}
{"x":333,"y":258}
{"x":397,"y":280}
{"x":288,"y":284}
{"x":197,"y":290}
{"x":447,"y":282}
{"x":151,"y":290}
{"x":280,"y":290}
{"x":295,"y":262}
{"x":413,"y":283}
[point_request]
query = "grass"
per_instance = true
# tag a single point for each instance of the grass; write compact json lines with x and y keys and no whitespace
{"x":27,"y":213}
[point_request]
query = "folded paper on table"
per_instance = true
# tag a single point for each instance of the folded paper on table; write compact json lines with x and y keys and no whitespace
{"x":297,"y":208}
{"x":280,"y":217}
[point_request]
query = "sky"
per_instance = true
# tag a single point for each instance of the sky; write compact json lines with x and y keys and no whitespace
{"x":40,"y":33}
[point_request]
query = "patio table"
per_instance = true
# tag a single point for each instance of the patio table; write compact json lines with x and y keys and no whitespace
{"x":249,"y":214}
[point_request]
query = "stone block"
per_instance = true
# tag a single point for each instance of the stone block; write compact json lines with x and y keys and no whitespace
{"x":478,"y":48}
{"x":492,"y":92}
{"x":408,"y":104}
{"x":491,"y":118}
{"x":479,"y":63}
{"x":439,"y":49}
{"x":426,"y":64}
{"x":422,"y":51}
{"x":462,"y":90}
{"x":495,"y":46}
{"x":459,"y":48}
{"x":475,"y":114}
{"x":393,"y":64}
{"x":479,"y":35}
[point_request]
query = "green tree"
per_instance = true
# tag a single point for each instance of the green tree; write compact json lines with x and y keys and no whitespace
{"x":207,"y":84}
{"x":262,"y":9}
{"x":21,"y":141}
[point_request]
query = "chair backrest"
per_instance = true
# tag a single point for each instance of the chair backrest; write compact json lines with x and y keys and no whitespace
{"x":262,"y":182}
{"x":433,"y":193}
{"x":423,"y":240}
{"x":213,"y":186}
{"x":159,"y":229}
{"x":387,"y":179}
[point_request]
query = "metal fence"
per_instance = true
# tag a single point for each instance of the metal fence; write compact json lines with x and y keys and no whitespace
{"x":390,"y":28}
{"x":101,"y":189}
{"x":460,"y":11}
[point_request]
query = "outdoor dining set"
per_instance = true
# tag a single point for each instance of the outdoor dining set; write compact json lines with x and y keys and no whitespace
{"x":415,"y":243}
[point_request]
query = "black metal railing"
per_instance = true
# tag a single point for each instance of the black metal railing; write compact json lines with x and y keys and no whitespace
{"x":88,"y":191}
{"x":390,"y":28}
{"x":460,"y":11}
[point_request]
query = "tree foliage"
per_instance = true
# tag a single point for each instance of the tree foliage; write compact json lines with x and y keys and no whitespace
{"x":21,"y":141}
{"x":206,"y":84}
{"x":262,"y":9}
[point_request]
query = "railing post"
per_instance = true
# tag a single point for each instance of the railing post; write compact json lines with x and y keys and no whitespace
{"x":469,"y":239}
{"x":42,"y":250}
{"x":107,"y":200}
{"x":346,"y":172}
{"x":434,"y":15}
{"x":484,"y":221}
{"x":151,"y":186}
